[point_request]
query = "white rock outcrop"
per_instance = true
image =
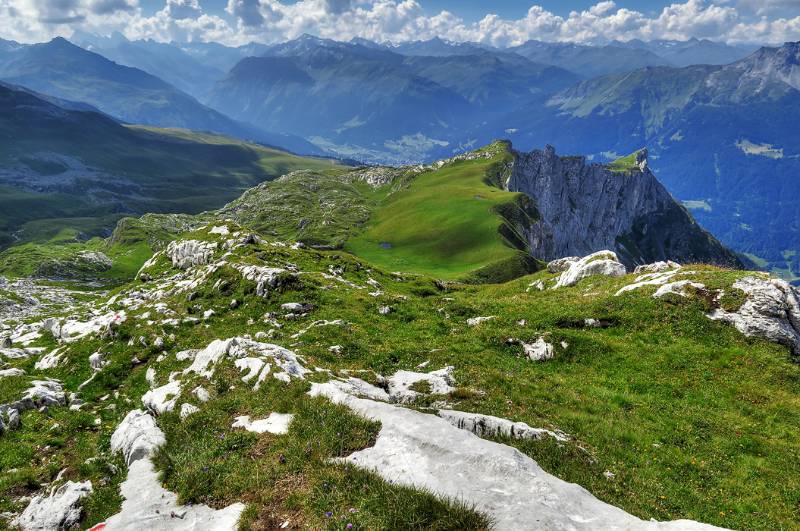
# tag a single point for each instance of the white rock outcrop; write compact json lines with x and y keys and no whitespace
{"x":58,"y":510}
{"x":475,"y":321}
{"x":679,"y":288}
{"x":190,"y":253}
{"x":489,"y":426}
{"x":147,"y":504}
{"x":401,"y":383}
{"x":137,"y":436}
{"x":428,"y":452}
{"x":599,"y":263}
{"x":657,"y":267}
{"x":275,"y":423}
{"x":50,"y":360}
{"x":266,"y":278}
{"x":539,"y":350}
{"x":187,"y":410}
{"x":657,"y":278}
{"x":162,"y":399}
{"x":11,"y":373}
{"x":559,"y":265}
{"x":771,"y":311}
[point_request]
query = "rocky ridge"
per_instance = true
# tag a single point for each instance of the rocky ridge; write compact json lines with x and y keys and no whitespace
{"x":584,"y":208}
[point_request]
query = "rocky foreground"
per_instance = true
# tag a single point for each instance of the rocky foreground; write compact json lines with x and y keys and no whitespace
{"x":231,"y":356}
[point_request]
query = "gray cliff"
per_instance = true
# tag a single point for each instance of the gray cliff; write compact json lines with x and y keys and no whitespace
{"x":583,"y":208}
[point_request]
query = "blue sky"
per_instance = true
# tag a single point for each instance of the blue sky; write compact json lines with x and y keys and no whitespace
{"x":496,"y":22}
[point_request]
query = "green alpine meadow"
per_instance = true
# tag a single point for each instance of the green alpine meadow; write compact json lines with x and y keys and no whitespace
{"x":399,"y":265}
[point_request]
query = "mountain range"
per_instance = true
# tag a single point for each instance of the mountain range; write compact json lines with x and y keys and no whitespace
{"x":62,"y":69}
{"x":719,"y":131}
{"x":722,"y":139}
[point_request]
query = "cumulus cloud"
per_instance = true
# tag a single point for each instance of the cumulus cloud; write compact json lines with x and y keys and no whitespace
{"x":244,"y":21}
{"x":183,"y":9}
{"x":246,"y":11}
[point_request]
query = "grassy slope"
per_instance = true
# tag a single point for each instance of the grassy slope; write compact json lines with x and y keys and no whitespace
{"x":446,"y":223}
{"x":451,"y":223}
{"x":170,"y":170}
{"x":694,"y":420}
{"x":626,"y":163}
{"x":175,"y":171}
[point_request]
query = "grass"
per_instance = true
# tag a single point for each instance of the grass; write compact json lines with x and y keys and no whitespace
{"x":141,"y":169}
{"x":447,"y":223}
{"x":624,"y":164}
{"x":427,"y":224}
{"x":694,"y":420}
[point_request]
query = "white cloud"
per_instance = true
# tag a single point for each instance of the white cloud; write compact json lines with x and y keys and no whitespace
{"x":183,"y":9}
{"x":398,"y":20}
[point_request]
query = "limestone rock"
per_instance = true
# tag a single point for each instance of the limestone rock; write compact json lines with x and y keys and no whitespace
{"x":162,"y":399}
{"x":677,"y":289}
{"x":489,"y":426}
{"x":97,"y":361}
{"x":188,"y":410}
{"x":657,"y":267}
{"x":771,"y":311}
{"x":599,"y":263}
{"x":44,"y":393}
{"x":56,"y":511}
{"x":400,"y":383}
{"x":147,"y":504}
{"x":428,"y":452}
{"x":266,"y":278}
{"x":50,"y":360}
{"x":582,"y":208}
{"x":10,"y":373}
{"x":539,"y":350}
{"x":475,"y":321}
{"x":189,"y":253}
{"x":137,"y":436}
{"x":559,"y":265}
{"x":275,"y":423}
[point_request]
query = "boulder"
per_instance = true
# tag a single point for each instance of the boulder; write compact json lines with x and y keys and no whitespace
{"x":539,"y":350}
{"x":657,"y":267}
{"x":599,"y":263}
{"x":60,"y":509}
{"x":559,"y":265}
{"x":137,"y":436}
{"x":771,"y":311}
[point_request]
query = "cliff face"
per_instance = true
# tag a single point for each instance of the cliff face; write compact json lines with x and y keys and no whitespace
{"x":589,"y":207}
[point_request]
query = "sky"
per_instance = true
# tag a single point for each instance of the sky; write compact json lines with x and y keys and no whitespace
{"x":495,"y":22}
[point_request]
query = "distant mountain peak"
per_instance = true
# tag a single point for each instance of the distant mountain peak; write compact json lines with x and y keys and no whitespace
{"x":782,"y":64}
